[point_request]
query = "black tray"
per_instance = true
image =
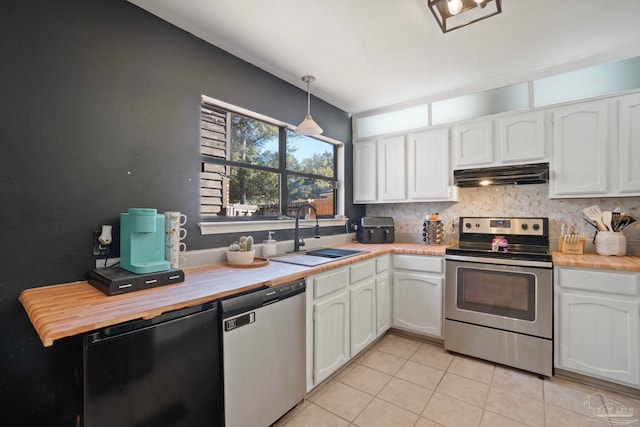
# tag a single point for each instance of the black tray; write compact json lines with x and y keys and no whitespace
{"x":116,"y":280}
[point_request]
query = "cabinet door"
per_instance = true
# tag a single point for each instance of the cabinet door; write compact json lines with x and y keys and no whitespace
{"x":391,"y":169}
{"x":365,"y":178}
{"x":629,"y":145}
{"x":599,"y":336}
{"x":417,"y":302}
{"x":331,"y":336}
{"x":522,"y":138}
{"x":363,"y":315}
{"x":474,"y":144}
{"x":383,"y":304}
{"x":429,"y":166}
{"x":580,"y":150}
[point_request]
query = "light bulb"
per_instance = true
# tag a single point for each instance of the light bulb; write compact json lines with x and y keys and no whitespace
{"x":455,"y":6}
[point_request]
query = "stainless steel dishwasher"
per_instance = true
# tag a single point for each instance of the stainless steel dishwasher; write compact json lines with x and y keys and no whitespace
{"x":263,"y":347}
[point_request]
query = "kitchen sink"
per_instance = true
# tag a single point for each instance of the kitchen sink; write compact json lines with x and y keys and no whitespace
{"x":334,"y":253}
{"x":315,"y":257}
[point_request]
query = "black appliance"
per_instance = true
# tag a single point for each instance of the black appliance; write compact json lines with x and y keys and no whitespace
{"x":116,"y":280}
{"x":165,"y":371}
{"x":499,"y":292}
{"x":537,"y":173}
{"x":376,"y":230}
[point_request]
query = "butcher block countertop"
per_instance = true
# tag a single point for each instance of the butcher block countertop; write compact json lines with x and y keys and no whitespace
{"x":592,"y":260}
{"x":69,"y":309}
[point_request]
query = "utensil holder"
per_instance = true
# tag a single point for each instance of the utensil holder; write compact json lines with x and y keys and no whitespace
{"x":611,"y":243}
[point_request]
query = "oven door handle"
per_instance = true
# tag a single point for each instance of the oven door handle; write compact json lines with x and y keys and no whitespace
{"x":496,"y":261}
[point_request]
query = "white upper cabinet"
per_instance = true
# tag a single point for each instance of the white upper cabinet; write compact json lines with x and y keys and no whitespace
{"x":392,"y":153}
{"x":379,"y":170}
{"x":429,"y":166}
{"x":414,"y":167}
{"x":365,"y":178}
{"x":580,"y":149}
{"x":595,"y":148}
{"x":522,"y":138}
{"x":629,"y":144}
{"x":474,"y":144}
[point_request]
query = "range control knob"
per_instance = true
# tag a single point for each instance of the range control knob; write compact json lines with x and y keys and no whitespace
{"x":525,"y":226}
{"x":536,"y":226}
{"x":477,"y":225}
{"x":468,"y":225}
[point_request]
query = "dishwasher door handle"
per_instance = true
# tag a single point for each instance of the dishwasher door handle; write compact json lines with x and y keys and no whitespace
{"x":239,"y":321}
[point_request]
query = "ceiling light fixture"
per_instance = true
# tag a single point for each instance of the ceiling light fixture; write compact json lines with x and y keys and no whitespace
{"x":308,"y":126}
{"x":454,"y":14}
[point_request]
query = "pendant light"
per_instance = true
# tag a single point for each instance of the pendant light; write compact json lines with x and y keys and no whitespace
{"x":308,"y":126}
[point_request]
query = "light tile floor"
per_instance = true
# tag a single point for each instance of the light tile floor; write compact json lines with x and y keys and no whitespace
{"x":403,"y":382}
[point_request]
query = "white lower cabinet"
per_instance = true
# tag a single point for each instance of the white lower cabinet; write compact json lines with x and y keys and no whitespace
{"x":363,"y":304}
{"x":363,"y":315}
{"x":328,"y":328}
{"x":598,"y":323}
{"x":417,"y":294}
{"x":383,"y":295}
{"x":342,"y":315}
{"x":331,"y":335}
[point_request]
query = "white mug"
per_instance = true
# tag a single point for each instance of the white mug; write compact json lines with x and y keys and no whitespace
{"x":182,"y":233}
{"x":176,"y":216}
{"x":173,"y":252}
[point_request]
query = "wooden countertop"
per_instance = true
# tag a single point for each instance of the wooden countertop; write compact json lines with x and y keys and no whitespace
{"x":592,"y":260}
{"x":69,"y":309}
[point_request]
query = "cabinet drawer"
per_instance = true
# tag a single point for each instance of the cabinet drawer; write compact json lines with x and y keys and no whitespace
{"x":362,"y":270}
{"x":382,"y":264}
{"x":330,"y":282}
{"x":599,"y":281}
{"x":432,"y":264}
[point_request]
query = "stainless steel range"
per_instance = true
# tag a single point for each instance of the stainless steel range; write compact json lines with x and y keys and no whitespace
{"x":499,"y":292}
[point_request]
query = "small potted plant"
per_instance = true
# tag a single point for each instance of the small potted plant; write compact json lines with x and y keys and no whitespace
{"x":241,"y":252}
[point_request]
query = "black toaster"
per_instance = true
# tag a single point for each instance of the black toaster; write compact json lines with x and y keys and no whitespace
{"x":376,"y":229}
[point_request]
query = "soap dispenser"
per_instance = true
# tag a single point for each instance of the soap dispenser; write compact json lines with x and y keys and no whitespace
{"x":269,"y":246}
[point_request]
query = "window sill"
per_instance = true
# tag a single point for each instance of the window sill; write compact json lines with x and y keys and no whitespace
{"x":207,"y":228}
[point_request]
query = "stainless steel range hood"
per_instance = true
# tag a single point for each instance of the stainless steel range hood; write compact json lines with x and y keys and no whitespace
{"x":537,"y":173}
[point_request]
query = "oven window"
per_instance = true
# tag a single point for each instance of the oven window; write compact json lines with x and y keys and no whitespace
{"x":497,"y":292}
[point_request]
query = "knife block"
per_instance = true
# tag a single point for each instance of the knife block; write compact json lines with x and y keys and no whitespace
{"x":574,"y":248}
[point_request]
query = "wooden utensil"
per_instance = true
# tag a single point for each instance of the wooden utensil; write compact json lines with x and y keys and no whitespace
{"x":606,"y":219}
{"x":595,"y":214}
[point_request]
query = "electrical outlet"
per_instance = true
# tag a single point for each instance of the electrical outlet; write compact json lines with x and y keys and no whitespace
{"x":100,"y":252}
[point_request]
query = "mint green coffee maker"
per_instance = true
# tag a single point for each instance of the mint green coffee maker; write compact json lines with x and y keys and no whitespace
{"x":142,"y":241}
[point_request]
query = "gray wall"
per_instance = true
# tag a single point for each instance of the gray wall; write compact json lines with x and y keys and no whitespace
{"x":99,"y":112}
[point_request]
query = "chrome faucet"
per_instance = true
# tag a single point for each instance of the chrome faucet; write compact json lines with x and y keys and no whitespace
{"x":298,"y":240}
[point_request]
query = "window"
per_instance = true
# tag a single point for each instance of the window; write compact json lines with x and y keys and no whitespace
{"x":255,"y":169}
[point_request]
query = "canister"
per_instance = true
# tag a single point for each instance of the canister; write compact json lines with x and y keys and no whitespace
{"x":611,"y":243}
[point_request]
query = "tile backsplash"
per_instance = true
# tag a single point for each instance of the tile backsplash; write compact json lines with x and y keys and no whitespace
{"x":509,"y":200}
